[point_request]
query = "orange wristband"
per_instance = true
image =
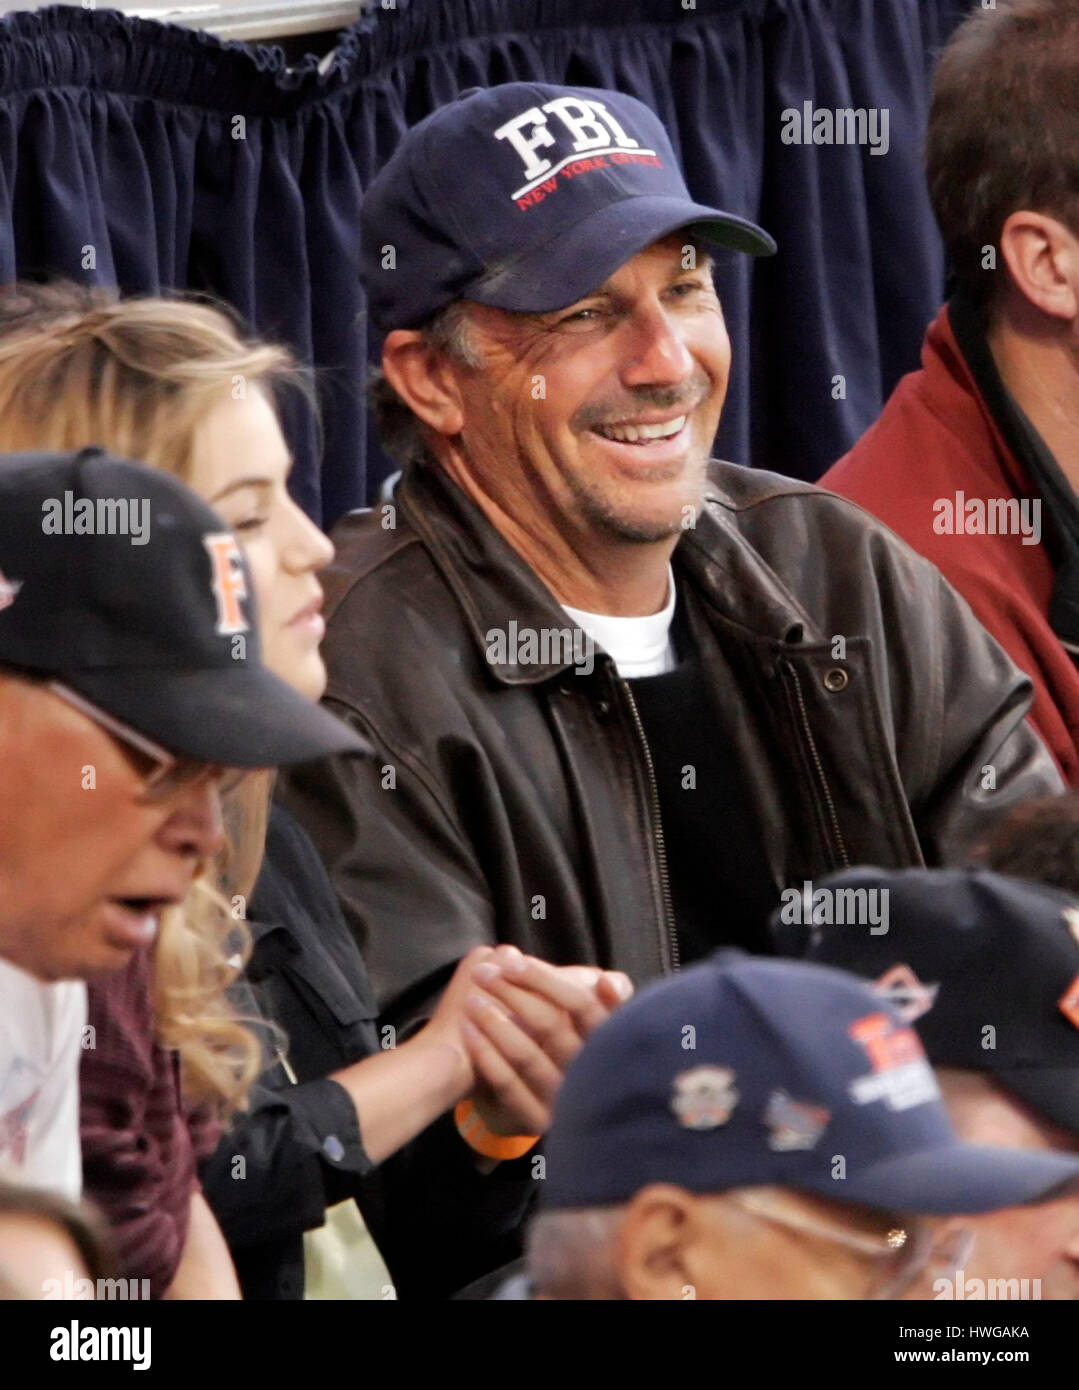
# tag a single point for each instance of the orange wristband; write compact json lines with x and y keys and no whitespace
{"x":484,"y":1141}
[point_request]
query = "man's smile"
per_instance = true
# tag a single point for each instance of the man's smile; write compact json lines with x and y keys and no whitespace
{"x":641,"y":431}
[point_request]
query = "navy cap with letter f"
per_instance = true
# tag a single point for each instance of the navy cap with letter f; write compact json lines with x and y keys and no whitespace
{"x":745,"y":1072}
{"x":119,"y":582}
{"x":526,"y":197}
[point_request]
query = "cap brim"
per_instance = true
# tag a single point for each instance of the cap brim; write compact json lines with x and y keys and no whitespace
{"x":569,"y":266}
{"x":242,"y":718}
{"x":957,"y":1179}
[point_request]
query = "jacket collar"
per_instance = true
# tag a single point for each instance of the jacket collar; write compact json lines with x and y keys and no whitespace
{"x":1025,"y":444}
{"x":1032,"y":454}
{"x":496,"y":588}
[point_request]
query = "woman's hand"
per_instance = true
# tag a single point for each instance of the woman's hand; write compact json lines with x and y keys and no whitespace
{"x":504,"y":1031}
{"x":526,"y":1021}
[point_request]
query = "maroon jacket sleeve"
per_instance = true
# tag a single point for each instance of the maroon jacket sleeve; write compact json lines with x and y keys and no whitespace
{"x":137,"y":1151}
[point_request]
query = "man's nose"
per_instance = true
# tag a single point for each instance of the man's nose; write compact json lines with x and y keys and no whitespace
{"x":195,"y":828}
{"x":656,"y":354}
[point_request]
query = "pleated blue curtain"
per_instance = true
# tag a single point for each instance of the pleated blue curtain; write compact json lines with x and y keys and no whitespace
{"x":842,"y":309}
{"x":151,"y":157}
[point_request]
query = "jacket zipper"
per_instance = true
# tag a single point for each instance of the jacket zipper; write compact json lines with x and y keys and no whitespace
{"x":822,"y":780}
{"x":657,"y":832}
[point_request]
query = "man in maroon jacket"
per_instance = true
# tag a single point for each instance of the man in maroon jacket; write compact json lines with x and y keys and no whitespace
{"x":976,"y":457}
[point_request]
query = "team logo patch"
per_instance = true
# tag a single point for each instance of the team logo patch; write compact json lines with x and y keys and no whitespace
{"x":793,"y":1124}
{"x":906,"y":993}
{"x":901,"y":1076}
{"x":9,"y":589}
{"x":704,"y":1097}
{"x":228,"y":580}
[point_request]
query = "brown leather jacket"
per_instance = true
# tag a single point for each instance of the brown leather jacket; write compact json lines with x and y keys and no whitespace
{"x":517,"y":803}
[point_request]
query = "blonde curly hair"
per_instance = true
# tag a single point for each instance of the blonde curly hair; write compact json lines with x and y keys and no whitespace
{"x":79,"y":366}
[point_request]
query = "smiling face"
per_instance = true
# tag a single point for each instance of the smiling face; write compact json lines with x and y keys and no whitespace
{"x":86,"y":863}
{"x":240,"y":465}
{"x":591,"y":427}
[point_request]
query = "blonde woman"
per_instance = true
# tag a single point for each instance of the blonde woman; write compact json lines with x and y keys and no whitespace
{"x":174,"y":384}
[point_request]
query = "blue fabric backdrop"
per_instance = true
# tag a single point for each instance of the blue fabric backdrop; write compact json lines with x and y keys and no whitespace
{"x":122,"y":160}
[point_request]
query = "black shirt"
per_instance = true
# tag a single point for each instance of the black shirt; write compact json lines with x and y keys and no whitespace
{"x":720,"y":883}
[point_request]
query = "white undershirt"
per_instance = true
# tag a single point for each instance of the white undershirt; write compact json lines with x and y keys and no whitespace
{"x":638,"y":646}
{"x":41,"y":1028}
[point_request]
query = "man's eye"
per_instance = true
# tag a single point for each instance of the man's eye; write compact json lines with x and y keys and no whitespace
{"x":581,"y":316}
{"x":684,"y":288}
{"x":251,"y":523}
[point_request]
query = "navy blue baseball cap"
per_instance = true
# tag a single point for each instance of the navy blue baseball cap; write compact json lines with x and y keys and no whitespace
{"x":119,"y":582}
{"x":742,"y":1072}
{"x":525,"y":197}
{"x":985,"y":967}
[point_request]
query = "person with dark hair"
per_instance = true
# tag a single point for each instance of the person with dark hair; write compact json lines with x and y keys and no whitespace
{"x":624,"y":693}
{"x":974,"y":459}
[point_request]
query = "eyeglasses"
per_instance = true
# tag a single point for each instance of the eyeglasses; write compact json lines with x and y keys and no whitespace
{"x":902,"y":1253}
{"x":168,"y":774}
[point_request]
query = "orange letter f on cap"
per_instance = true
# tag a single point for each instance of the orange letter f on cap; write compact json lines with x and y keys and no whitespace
{"x":229,"y":583}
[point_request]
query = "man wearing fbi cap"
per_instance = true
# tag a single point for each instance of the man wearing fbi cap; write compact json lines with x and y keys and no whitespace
{"x":986,"y":968}
{"x":762,"y":1129}
{"x":131,"y":682}
{"x":613,"y":716}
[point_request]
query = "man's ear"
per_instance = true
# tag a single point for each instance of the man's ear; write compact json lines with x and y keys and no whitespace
{"x":654,"y":1242}
{"x":424,"y":378}
{"x":1042,"y":256}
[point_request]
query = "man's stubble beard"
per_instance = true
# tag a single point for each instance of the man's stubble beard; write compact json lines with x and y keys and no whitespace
{"x":603,"y":514}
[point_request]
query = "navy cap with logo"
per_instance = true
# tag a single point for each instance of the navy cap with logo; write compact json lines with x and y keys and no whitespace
{"x":745,"y":1071}
{"x":118,"y":581}
{"x":985,"y":967}
{"x":525,"y":197}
